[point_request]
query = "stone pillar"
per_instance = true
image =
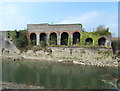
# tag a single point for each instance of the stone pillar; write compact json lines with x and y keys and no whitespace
{"x":71,"y":36}
{"x":37,"y":39}
{"x":47,"y":39}
{"x":108,"y":43}
{"x":58,"y":39}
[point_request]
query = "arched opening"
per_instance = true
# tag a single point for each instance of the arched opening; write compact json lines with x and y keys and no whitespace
{"x":33,"y":38}
{"x":53,"y":39}
{"x":89,"y":41}
{"x":43,"y":37}
{"x":17,"y":34}
{"x":76,"y":38}
{"x":64,"y":38}
{"x":101,"y":42}
{"x":8,"y":35}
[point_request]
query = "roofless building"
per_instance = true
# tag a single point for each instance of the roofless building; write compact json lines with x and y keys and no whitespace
{"x":64,"y":34}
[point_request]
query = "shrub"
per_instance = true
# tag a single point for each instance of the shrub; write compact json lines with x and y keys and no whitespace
{"x":101,"y":30}
{"x":53,"y":40}
{"x":19,"y":39}
{"x":32,"y":42}
{"x":43,"y":44}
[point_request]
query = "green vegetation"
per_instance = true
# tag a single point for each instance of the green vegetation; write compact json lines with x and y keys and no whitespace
{"x":19,"y":38}
{"x":85,"y":35}
{"x":43,"y":44}
{"x":101,"y":30}
{"x":53,"y":40}
{"x":32,"y":42}
{"x":95,"y":35}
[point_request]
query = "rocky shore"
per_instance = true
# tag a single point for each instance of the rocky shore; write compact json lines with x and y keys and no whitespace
{"x":80,"y":56}
{"x":102,"y":63}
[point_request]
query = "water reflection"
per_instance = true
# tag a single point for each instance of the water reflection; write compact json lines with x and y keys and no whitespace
{"x":55,"y":75}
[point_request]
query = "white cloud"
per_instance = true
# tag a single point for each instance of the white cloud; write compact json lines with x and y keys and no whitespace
{"x":87,"y":17}
{"x":12,"y":17}
{"x":93,"y":19}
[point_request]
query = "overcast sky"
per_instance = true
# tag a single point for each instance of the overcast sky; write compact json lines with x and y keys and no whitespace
{"x":89,"y":14}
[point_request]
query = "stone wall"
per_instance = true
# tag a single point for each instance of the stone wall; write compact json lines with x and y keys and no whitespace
{"x":80,"y":53}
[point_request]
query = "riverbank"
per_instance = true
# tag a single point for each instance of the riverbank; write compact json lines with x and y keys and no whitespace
{"x":83,"y":56}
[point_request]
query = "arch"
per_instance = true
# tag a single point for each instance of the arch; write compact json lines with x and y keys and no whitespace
{"x":76,"y":31}
{"x":64,"y":38}
{"x":8,"y":35}
{"x":43,"y":37}
{"x":33,"y":38}
{"x":65,"y":31}
{"x":53,"y":39}
{"x":101,"y":41}
{"x":76,"y":38}
{"x":42,"y":32}
{"x":53,"y":32}
{"x":89,"y":41}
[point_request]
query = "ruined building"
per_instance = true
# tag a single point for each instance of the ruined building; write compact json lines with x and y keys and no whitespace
{"x":64,"y":34}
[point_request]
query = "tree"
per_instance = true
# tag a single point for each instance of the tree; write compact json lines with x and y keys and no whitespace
{"x":19,"y":38}
{"x":101,"y":30}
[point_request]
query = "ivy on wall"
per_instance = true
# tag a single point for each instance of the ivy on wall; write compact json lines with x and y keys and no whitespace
{"x":95,"y":35}
{"x":85,"y":35}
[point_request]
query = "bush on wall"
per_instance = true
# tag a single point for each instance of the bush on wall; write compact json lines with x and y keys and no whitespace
{"x":101,"y":30}
{"x":19,"y":38}
{"x":43,"y":44}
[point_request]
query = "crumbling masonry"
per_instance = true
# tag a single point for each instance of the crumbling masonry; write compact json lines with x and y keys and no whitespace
{"x":62,"y":34}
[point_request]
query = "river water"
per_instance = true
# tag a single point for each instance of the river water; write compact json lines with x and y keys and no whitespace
{"x":57,"y":75}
